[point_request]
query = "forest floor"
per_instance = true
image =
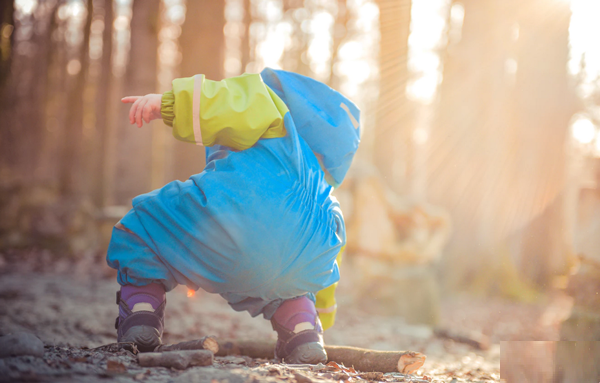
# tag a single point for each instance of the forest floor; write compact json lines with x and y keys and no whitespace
{"x":73,"y":313}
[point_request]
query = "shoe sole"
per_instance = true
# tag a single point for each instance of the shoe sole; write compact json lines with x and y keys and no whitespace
{"x":308,"y":353}
{"x":146,"y":338}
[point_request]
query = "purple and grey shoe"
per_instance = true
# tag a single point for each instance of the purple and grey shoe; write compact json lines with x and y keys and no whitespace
{"x":141,"y":315}
{"x":299,"y":333}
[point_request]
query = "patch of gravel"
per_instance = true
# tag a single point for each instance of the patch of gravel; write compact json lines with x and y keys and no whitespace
{"x":74,"y":315}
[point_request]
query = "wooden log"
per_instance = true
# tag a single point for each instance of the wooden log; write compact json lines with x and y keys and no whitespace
{"x":179,"y":360}
{"x":205,"y":343}
{"x":361,"y":359}
{"x":254,"y":348}
{"x":371,"y":360}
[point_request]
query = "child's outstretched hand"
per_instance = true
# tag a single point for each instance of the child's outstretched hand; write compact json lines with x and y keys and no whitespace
{"x":146,"y":108}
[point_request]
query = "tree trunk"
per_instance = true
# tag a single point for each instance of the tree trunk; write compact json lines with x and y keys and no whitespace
{"x":295,"y":59}
{"x":7,"y":25}
{"x":392,"y":142}
{"x":23,"y":96}
{"x":102,"y":104}
{"x":545,"y":101}
{"x":203,"y":51}
{"x":340,"y":34}
{"x":134,"y":146}
{"x":71,"y":172}
{"x":245,"y":48}
{"x":7,"y":85}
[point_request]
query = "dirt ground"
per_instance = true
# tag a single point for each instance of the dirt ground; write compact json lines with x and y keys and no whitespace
{"x":73,"y":314}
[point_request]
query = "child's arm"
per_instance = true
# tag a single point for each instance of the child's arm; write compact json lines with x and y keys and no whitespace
{"x":235,"y":112}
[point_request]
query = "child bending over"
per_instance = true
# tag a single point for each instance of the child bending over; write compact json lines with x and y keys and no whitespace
{"x":258,"y":225}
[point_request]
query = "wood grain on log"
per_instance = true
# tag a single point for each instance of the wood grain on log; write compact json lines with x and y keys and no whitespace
{"x":371,"y":360}
{"x":205,"y":343}
{"x":361,"y":359}
{"x":179,"y":360}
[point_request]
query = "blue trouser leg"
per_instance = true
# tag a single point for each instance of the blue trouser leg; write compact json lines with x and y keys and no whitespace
{"x":256,"y":306}
{"x":136,"y":262}
{"x":145,"y":267}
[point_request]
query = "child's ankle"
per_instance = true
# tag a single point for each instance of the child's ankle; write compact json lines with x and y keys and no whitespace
{"x":297,"y":314}
{"x":143,"y":298}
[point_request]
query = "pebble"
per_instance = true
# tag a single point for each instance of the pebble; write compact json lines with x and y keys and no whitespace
{"x":21,"y":343}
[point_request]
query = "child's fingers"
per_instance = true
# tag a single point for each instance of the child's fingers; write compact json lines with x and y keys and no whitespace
{"x":130,"y":99}
{"x":133,"y":109}
{"x":146,"y":112}
{"x":138,"y":112}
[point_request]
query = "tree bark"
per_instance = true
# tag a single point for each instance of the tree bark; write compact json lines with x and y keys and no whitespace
{"x":245,"y":48}
{"x":102,"y":105}
{"x":134,"y":146}
{"x":23,"y":97}
{"x":7,"y":91}
{"x":340,"y":34}
{"x":545,"y":101}
{"x":296,"y":59}
{"x":7,"y":25}
{"x":71,"y":169}
{"x":392,"y":141}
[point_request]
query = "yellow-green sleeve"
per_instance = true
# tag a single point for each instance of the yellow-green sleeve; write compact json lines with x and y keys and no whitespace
{"x":326,"y":304}
{"x":234,"y":112}
{"x":166,"y":108}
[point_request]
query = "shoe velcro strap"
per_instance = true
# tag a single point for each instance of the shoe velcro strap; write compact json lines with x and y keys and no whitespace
{"x":282,"y":332}
{"x":141,"y":318}
{"x":306,"y":336}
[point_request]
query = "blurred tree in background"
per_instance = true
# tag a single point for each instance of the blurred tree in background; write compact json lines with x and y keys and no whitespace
{"x":467,"y":113}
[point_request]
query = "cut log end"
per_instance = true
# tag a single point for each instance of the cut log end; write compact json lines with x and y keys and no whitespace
{"x":211,"y":344}
{"x":410,"y":362}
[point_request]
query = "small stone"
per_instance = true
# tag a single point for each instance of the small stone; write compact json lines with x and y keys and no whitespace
{"x":21,"y":343}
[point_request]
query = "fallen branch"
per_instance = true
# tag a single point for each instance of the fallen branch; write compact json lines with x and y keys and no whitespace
{"x":179,"y":360}
{"x":362,"y":359}
{"x":370,"y":360}
{"x":205,"y":343}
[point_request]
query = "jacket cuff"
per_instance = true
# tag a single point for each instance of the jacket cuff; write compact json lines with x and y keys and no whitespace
{"x":166,"y":108}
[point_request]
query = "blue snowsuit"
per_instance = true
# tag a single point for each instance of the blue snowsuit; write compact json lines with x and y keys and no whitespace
{"x":257,"y":225}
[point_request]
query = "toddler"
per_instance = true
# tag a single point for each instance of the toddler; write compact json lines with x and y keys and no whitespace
{"x":258,"y":225}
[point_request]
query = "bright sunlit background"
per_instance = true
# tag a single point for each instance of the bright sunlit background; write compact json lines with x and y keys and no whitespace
{"x":479,"y":119}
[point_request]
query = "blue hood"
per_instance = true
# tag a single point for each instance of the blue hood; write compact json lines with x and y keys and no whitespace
{"x":327,"y":121}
